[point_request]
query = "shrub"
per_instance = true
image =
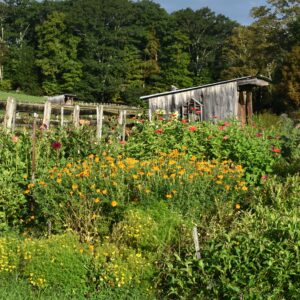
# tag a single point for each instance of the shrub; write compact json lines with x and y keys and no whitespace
{"x":59,"y":263}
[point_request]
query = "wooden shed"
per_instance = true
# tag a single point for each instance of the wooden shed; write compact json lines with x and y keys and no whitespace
{"x":222,"y":100}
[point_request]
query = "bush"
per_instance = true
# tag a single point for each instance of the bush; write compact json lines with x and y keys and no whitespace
{"x":59,"y":263}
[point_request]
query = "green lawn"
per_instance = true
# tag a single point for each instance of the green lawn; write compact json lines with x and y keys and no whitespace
{"x":21,"y":97}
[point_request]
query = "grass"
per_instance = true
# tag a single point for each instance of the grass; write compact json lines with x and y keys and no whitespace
{"x":21,"y":97}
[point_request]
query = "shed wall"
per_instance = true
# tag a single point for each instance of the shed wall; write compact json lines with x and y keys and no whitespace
{"x":219,"y":100}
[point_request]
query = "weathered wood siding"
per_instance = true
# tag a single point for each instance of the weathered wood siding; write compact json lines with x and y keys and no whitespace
{"x":219,"y":100}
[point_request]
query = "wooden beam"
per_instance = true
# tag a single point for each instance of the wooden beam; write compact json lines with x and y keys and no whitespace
{"x":242,"y":107}
{"x":249,"y":106}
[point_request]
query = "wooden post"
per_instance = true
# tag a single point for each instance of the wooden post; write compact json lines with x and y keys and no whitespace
{"x":196,"y":242}
{"x":10,"y":114}
{"x":62,"y":117}
{"x":249,"y":107}
{"x":33,"y":158}
{"x":120,"y":119}
{"x":150,"y":115}
{"x":242,"y":107}
{"x":124,"y":125}
{"x":47,"y":114}
{"x":76,"y":115}
{"x":99,"y":111}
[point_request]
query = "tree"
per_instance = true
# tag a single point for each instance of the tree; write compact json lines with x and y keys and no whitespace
{"x":57,"y":55}
{"x":290,"y":84}
{"x":176,"y":62}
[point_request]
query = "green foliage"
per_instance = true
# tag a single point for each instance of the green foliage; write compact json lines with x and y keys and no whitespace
{"x":254,"y":256}
{"x":247,"y":146}
{"x":57,"y":55}
{"x":56,"y":262}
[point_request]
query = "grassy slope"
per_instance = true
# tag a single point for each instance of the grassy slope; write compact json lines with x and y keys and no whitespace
{"x":21,"y":97}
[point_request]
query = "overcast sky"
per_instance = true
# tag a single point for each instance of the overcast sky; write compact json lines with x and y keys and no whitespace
{"x":238,"y":10}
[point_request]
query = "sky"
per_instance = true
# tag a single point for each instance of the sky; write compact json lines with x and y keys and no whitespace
{"x":238,"y":10}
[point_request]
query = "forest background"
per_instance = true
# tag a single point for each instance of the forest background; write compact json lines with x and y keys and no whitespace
{"x":118,"y":50}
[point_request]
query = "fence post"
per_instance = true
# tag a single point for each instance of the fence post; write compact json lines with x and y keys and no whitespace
{"x":196,"y":242}
{"x":10,"y":114}
{"x":47,"y":114}
{"x":76,"y":115}
{"x":124,"y":125}
{"x":33,"y":158}
{"x":99,"y":110}
{"x":120,"y":119}
{"x":62,"y":117}
{"x":150,"y":115}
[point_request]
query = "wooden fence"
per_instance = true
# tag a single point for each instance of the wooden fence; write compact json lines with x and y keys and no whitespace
{"x":64,"y":115}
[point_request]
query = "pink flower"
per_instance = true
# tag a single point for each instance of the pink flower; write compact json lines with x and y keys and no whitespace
{"x":193,"y":128}
{"x":198,"y":112}
{"x":222,"y":127}
{"x":226,"y":137}
{"x":56,"y":145}
{"x":14,"y":139}
{"x":264,"y":177}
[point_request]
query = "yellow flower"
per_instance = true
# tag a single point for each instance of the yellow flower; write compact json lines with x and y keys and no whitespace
{"x":27,"y":192}
{"x":74,"y":186}
{"x":172,"y":162}
{"x":227,"y":187}
{"x":104,"y":192}
{"x":58,"y":180}
{"x":169,"y":196}
{"x":25,"y":176}
{"x":244,"y":188}
{"x":237,"y":206}
{"x":135,"y":176}
{"x":96,"y":200}
{"x":155,"y":168}
{"x":114,"y":203}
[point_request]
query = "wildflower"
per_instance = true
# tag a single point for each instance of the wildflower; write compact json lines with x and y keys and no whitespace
{"x":226,"y":137}
{"x":244,"y":188}
{"x":222,"y":127}
{"x":14,"y":139}
{"x":198,"y":112}
{"x":169,"y":196}
{"x":159,"y":131}
{"x":275,"y":150}
{"x":264,"y":177}
{"x":192,"y":128}
{"x":56,"y":145}
{"x":259,"y":134}
{"x":237,"y":206}
{"x":114,"y":203}
{"x":97,"y":200}
{"x":122,"y":142}
{"x":58,"y":180}
{"x":184,"y":121}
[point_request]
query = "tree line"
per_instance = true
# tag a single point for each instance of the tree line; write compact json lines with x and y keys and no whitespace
{"x":118,"y":50}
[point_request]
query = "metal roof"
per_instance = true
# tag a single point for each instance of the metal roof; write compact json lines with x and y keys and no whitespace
{"x":242,"y":79}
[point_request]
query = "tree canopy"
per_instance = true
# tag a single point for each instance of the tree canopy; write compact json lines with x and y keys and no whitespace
{"x":118,"y":50}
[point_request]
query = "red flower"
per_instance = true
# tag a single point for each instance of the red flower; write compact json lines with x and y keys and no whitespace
{"x":221,"y":127}
{"x":56,"y":145}
{"x":226,"y":137}
{"x":122,"y":142}
{"x":161,"y":119}
{"x":194,"y":108}
{"x":14,"y":139}
{"x":184,"y":121}
{"x":275,"y":150}
{"x":198,"y":112}
{"x":226,"y":124}
{"x":192,"y":128}
{"x":259,"y":134}
{"x":264,"y":177}
{"x":159,"y":131}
